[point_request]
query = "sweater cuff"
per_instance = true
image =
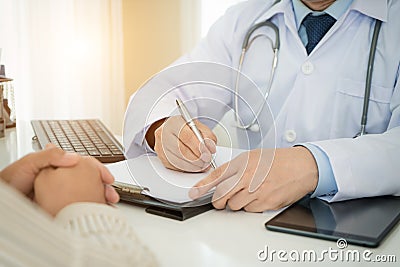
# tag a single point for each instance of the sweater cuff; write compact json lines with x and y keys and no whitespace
{"x":104,"y":226}
{"x":88,"y":218}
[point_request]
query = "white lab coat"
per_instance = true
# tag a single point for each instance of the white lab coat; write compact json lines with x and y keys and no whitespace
{"x":316,"y":98}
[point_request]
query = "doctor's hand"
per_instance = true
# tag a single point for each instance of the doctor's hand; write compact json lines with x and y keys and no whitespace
{"x":261,"y":179}
{"x":87,"y":181}
{"x":178,"y":148}
{"x":22,"y":173}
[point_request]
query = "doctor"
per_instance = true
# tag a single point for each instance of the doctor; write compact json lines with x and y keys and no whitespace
{"x":316,"y":99}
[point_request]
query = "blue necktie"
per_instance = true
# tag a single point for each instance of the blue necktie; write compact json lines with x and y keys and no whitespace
{"x":316,"y":28}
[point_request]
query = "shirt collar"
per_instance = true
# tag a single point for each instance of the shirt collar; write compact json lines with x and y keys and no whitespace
{"x":377,"y":9}
{"x":336,"y":10}
{"x":280,"y":7}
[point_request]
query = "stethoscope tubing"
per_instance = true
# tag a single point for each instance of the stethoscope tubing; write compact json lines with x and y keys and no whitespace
{"x":275,"y":46}
{"x":245,"y":46}
{"x":368,"y":79}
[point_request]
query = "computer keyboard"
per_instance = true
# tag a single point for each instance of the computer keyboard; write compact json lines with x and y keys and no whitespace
{"x":85,"y":137}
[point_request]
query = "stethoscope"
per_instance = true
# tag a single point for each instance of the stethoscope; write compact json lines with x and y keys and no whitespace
{"x":253,"y":125}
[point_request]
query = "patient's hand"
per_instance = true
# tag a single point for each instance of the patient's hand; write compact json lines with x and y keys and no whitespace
{"x":22,"y":174}
{"x":87,"y":181}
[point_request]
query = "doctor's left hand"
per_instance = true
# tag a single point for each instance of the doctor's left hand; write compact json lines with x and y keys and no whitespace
{"x":269,"y":180}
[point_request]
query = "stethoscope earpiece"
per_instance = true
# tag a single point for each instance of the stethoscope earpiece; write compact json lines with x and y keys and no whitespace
{"x":360,"y":134}
{"x":255,"y":127}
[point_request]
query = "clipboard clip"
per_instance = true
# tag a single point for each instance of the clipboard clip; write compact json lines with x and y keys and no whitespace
{"x":133,"y":194}
{"x":129,"y":188}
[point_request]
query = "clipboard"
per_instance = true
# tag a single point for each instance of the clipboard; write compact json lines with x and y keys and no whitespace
{"x":133,"y":194}
{"x":144,"y":181}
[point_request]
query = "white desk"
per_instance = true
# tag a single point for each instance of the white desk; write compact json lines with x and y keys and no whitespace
{"x":8,"y":148}
{"x":214,"y":238}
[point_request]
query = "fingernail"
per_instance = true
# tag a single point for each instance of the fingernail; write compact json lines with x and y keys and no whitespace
{"x":49,"y":145}
{"x":111,"y":195}
{"x":70,"y":156}
{"x":211,"y":146}
{"x":116,"y":196}
{"x":202,"y":147}
{"x":206,"y":157}
{"x":194,"y":193}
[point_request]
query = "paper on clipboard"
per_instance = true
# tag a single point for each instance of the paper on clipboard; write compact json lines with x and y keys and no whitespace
{"x":163,"y":184}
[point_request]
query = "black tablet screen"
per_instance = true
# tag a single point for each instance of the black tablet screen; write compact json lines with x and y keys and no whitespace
{"x":363,"y":221}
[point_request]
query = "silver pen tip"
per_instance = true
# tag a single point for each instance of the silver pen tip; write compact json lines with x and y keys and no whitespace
{"x":213,"y":165}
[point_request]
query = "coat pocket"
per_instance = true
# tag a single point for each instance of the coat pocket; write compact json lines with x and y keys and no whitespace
{"x":349,"y":105}
{"x":354,"y":88}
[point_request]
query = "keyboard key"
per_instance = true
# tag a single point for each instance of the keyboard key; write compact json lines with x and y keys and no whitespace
{"x":105,"y":151}
{"x":116,"y":152}
{"x":93,"y":153}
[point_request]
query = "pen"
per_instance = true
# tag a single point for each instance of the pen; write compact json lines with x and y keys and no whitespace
{"x":189,"y":121}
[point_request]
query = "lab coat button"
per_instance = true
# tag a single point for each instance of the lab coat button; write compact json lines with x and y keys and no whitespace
{"x":307,"y":68}
{"x":290,"y":136}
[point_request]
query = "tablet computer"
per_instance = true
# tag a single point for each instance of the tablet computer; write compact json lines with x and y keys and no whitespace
{"x":364,"y":221}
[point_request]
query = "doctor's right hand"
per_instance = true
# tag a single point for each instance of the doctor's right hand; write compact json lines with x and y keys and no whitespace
{"x":177,"y":146}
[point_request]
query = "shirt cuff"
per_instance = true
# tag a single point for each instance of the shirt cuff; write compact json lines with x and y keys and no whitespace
{"x":143,"y":142}
{"x":146,"y":145}
{"x":326,"y":180}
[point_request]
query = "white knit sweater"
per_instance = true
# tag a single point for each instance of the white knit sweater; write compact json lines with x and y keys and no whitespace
{"x":82,"y":234}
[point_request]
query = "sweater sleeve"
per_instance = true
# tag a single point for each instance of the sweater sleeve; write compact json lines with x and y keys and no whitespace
{"x":105,"y":227}
{"x":82,"y":234}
